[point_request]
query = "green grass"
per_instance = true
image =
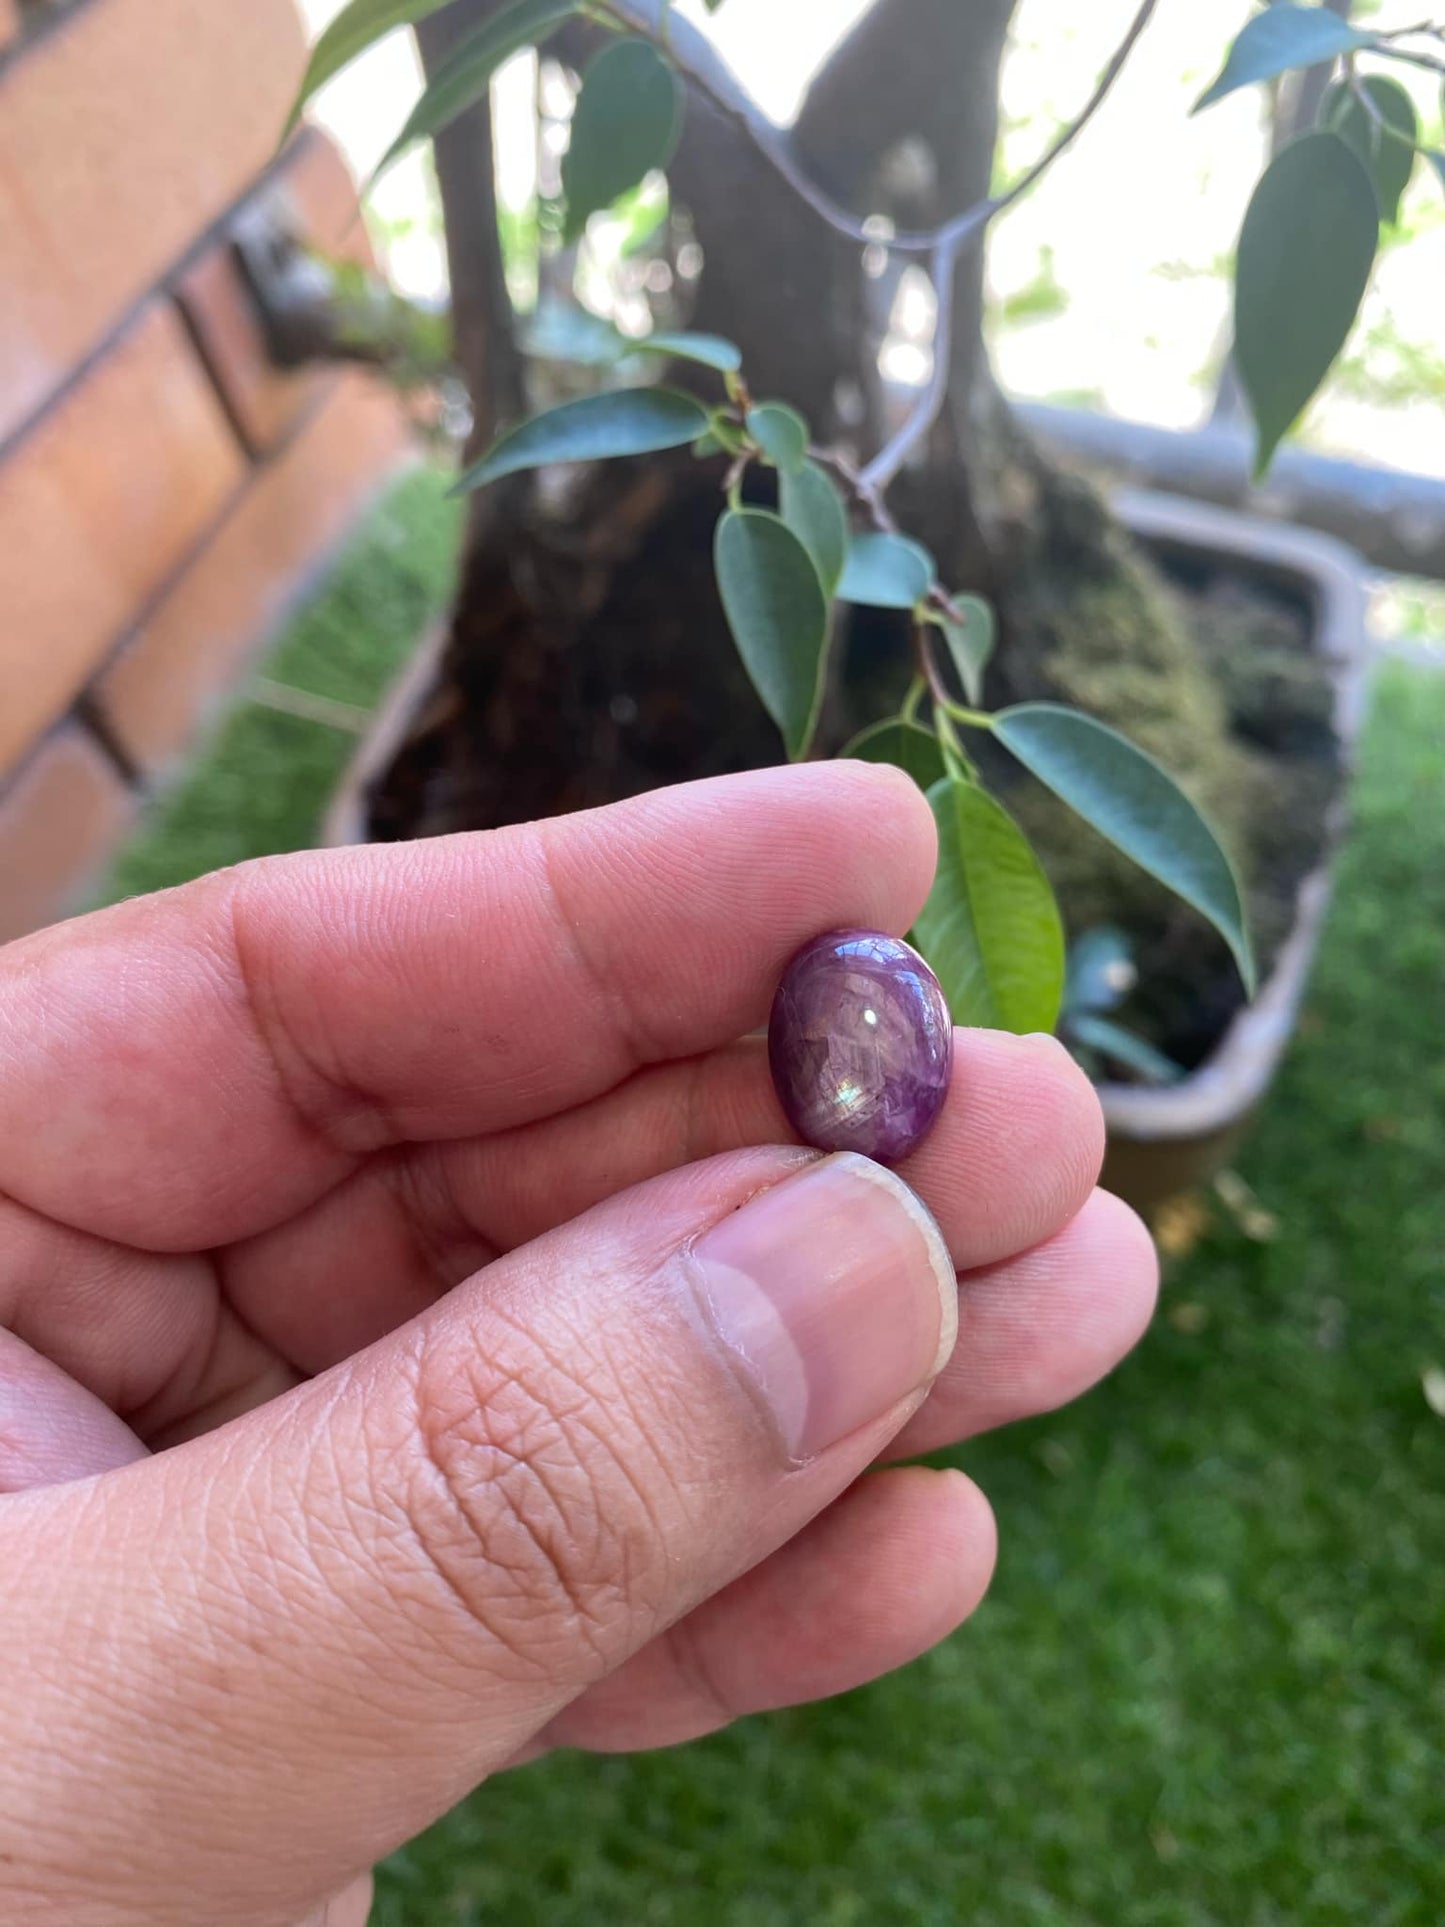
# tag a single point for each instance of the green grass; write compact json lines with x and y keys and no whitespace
{"x":1209,"y":1685}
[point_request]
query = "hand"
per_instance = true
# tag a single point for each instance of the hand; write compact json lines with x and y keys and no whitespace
{"x":423,"y":1346}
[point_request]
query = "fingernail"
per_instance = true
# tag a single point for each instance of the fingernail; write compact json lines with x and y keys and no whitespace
{"x":835,"y":1294}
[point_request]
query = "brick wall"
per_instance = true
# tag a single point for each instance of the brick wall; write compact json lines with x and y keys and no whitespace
{"x":163,"y":489}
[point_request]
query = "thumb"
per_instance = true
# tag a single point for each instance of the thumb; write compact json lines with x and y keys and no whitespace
{"x":262,"y":1660}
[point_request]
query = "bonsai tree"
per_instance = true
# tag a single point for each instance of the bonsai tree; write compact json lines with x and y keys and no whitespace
{"x":784,"y":564}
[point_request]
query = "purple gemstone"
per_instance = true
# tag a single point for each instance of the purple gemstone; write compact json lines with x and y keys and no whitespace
{"x":861,"y":1044}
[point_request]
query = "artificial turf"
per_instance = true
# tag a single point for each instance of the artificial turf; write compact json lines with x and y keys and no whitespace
{"x":1209,"y":1684}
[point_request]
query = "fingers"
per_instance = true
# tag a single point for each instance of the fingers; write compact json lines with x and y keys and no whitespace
{"x":148,"y":1335}
{"x":387,"y":1582}
{"x":184,"y":1070}
{"x":1016,"y":1150}
{"x":51,"y":1429}
{"x":349,"y":1909}
{"x":1040,"y":1329}
{"x":1013,"y":1156}
{"x":893,"y":1567}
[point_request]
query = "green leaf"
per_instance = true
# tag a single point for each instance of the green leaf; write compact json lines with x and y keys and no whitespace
{"x":626,"y":122}
{"x":886,"y":572}
{"x":1388,"y":162}
{"x":566,"y":331}
{"x":970,"y":633}
{"x":907,"y":746}
{"x":1437,"y":161}
{"x":709,"y":351}
{"x":462,"y":80}
{"x":623,"y":421}
{"x":1102,"y":970}
{"x":354,"y":29}
{"x":813,"y":510}
{"x":781,"y":433}
{"x":991,"y":927}
{"x":1130,"y":800}
{"x":1305,"y":254}
{"x":1121,"y":1046}
{"x":1278,"y":39}
{"x":778,"y":616}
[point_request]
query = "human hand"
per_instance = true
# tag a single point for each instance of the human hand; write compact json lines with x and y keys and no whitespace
{"x":412,"y":1362}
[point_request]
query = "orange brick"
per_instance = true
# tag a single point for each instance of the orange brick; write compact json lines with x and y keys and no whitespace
{"x":123,"y":134}
{"x":318,"y":190}
{"x":60,"y":821}
{"x":316,"y":200}
{"x":263,"y":400}
{"x":206,"y":633}
{"x":98,"y":505}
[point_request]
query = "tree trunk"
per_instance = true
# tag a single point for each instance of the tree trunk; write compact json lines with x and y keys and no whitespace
{"x":481,"y":309}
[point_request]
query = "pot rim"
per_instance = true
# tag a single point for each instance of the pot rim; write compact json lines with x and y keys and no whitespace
{"x":1237,"y":1072}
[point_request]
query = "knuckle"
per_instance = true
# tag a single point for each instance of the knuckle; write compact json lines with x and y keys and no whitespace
{"x":519,"y":1502}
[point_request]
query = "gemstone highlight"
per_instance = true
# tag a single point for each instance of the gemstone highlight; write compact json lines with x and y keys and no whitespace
{"x":860,"y":1043}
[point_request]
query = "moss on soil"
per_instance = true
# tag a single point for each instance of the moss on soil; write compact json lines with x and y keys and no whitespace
{"x":1213,"y":675}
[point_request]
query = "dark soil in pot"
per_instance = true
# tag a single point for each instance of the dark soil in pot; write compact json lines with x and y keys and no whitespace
{"x":589,"y":661}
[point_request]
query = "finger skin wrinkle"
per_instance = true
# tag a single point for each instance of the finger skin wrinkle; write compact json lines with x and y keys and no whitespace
{"x":149,"y":1335}
{"x":687,"y":1652}
{"x":623,"y":1021}
{"x":448,"y":1242}
{"x":520,"y":1517}
{"x":345,"y":1121}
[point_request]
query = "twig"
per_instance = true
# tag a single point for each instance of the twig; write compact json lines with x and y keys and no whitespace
{"x":928,"y":405}
{"x":1361,"y":94}
{"x":951,"y":241}
{"x":867,"y":497}
{"x":1386,"y":39}
{"x":1426,"y":29}
{"x":1432,"y":62}
{"x":694,"y":56}
{"x":928,"y":667}
{"x":964,"y":227}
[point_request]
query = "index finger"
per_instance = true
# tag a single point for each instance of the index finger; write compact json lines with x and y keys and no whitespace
{"x":187,"y":1069}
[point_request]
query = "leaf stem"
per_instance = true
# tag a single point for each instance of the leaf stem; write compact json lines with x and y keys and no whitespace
{"x":970,"y":718}
{"x":733,"y":480}
{"x":1360,"y":93}
{"x":917,"y":690}
{"x":958,"y":764}
{"x":928,"y":670}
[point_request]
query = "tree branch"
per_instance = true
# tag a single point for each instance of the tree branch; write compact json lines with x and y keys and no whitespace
{"x":961,"y":232}
{"x":1431,"y":62}
{"x":695,"y":57}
